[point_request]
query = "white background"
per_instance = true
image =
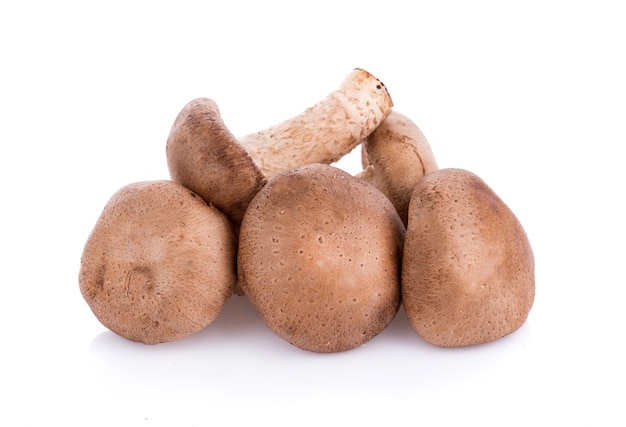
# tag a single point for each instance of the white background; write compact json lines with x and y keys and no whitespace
{"x":531,"y":96}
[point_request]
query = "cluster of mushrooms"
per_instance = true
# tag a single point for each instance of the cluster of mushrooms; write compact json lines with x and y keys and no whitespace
{"x":326,"y":257}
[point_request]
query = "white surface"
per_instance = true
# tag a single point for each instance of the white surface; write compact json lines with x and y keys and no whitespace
{"x":530,"y":97}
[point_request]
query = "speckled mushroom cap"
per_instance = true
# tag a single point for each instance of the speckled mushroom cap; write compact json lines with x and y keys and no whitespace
{"x":395,"y":156}
{"x":319,"y":256}
{"x":159,"y":264}
{"x":468,"y":267}
{"x":204,"y":156}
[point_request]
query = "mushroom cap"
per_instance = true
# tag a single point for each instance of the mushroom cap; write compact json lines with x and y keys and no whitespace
{"x":468,"y":267}
{"x":159,"y":264}
{"x":319,"y":256}
{"x":395,"y":156}
{"x":204,"y":156}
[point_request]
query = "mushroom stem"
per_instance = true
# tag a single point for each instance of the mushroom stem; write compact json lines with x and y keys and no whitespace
{"x":395,"y":156}
{"x":324,"y":132}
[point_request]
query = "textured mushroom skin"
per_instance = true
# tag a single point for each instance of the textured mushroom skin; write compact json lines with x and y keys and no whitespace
{"x":205,"y":157}
{"x":395,"y":156}
{"x":159,"y":264}
{"x":319,"y":256}
{"x":468,"y":270}
{"x":324,"y":132}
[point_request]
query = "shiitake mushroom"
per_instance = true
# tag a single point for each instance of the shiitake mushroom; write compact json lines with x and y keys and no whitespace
{"x":159,"y":263}
{"x":468,"y":266}
{"x":319,"y":257}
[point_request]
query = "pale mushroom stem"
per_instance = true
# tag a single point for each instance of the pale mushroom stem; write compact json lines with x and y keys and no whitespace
{"x":324,"y":132}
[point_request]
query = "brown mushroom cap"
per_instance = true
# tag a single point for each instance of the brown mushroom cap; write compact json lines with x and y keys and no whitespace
{"x":204,"y":156}
{"x":395,"y":156}
{"x":159,"y":264}
{"x":319,"y":256}
{"x":468,"y":267}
